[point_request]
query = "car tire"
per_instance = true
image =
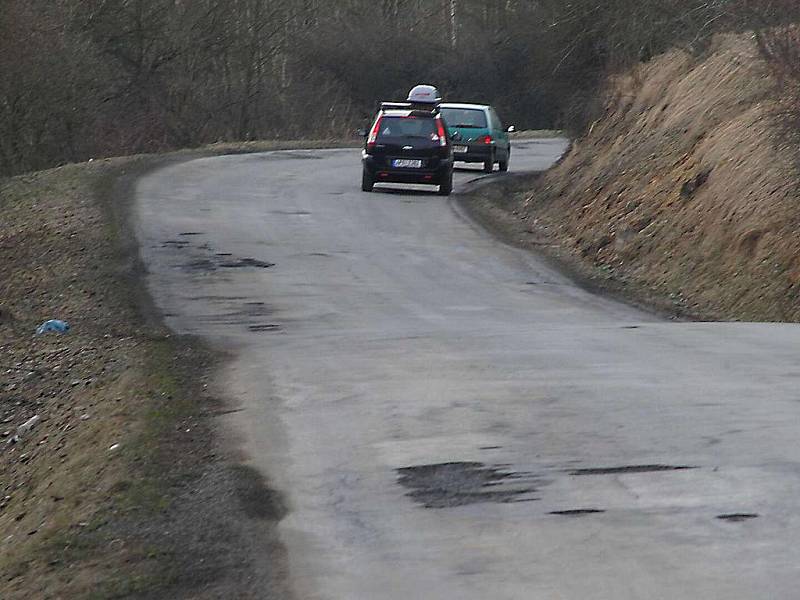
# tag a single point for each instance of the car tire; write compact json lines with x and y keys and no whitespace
{"x":504,"y":164}
{"x":366,"y":181}
{"x":446,"y":186}
{"x":488,"y":165}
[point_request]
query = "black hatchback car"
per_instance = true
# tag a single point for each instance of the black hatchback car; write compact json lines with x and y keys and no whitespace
{"x":408,"y":144}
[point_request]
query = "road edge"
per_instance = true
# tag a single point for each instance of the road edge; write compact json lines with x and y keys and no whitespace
{"x":254,"y":507}
{"x":489,"y":205}
{"x":182,"y":515}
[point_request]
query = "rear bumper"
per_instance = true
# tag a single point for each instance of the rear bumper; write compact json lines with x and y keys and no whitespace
{"x":476,"y":153}
{"x":380,"y":173}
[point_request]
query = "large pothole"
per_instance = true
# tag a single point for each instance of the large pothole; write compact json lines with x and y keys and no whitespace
{"x":460,"y":483}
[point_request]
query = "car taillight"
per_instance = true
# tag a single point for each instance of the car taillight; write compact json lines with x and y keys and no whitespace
{"x":487,"y":139}
{"x":373,"y":134}
{"x":441,"y":131}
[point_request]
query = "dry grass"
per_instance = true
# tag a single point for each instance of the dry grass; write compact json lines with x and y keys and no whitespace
{"x":88,"y":387}
{"x":685,"y":188}
{"x":160,"y":512}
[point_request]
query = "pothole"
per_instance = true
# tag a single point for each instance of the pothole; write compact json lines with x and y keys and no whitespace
{"x":214,"y":260}
{"x":577,"y":512}
{"x":246,"y":262}
{"x":246,"y":314}
{"x":629,"y":469}
{"x":218,"y":299}
{"x":737,"y":517}
{"x":253,"y":309}
{"x":291,"y":213}
{"x":264,"y":327}
{"x":203,"y":265}
{"x":188,"y":233}
{"x":461,"y":483}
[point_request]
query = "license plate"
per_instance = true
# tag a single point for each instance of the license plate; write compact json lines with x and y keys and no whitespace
{"x":407,"y":163}
{"x":460,"y":149}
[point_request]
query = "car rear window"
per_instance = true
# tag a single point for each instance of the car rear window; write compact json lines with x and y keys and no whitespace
{"x":465,"y":117}
{"x":407,"y":127}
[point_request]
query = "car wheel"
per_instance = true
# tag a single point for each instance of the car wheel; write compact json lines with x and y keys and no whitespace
{"x":366,"y":181}
{"x":488,"y":165}
{"x":446,"y":186}
{"x":504,"y":164}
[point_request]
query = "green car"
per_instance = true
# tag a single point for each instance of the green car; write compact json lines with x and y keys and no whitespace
{"x":478,"y":135}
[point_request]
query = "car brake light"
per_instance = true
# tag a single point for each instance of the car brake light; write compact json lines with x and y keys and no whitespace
{"x":442,"y":133}
{"x":487,"y":139}
{"x":373,"y":134}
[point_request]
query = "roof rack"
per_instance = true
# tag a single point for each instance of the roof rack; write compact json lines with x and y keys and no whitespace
{"x":399,"y":105}
{"x":423,"y":109}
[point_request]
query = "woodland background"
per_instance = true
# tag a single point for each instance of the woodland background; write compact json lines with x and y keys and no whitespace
{"x":91,"y":78}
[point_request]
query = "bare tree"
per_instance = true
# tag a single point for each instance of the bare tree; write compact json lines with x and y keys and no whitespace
{"x":87,"y":78}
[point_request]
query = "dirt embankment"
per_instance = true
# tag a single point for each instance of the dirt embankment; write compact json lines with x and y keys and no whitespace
{"x":685,"y":192}
{"x":121,"y":487}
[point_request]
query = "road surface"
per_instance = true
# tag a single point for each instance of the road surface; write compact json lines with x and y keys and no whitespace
{"x":450,"y":419}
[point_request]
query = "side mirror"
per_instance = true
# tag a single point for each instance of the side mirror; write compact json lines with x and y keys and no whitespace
{"x":361,"y":132}
{"x":511,"y":129}
{"x":456,"y":136}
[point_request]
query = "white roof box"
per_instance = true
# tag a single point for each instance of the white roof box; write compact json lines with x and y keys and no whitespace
{"x":424,"y":94}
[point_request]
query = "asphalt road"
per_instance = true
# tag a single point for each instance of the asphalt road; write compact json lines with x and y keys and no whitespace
{"x":426,"y":397}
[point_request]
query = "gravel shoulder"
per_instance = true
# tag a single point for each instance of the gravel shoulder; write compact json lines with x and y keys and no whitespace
{"x":122,"y":488}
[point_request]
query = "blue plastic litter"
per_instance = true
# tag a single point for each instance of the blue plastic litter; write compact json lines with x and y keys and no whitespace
{"x":53,"y":325}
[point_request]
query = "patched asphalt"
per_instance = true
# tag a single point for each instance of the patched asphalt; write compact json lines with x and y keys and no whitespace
{"x":447,"y":417}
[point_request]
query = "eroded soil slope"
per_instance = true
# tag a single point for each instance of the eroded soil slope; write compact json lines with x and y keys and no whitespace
{"x":121,"y":487}
{"x":686,"y":189}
